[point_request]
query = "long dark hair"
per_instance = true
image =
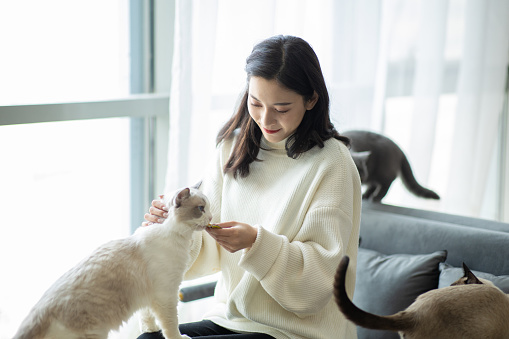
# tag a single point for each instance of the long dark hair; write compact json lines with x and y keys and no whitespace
{"x":293,"y":63}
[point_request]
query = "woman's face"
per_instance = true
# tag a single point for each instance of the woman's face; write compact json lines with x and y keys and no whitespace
{"x":277,"y":110}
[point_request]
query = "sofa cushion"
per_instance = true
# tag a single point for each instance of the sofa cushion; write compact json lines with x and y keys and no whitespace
{"x":449,"y":274}
{"x":387,"y":284}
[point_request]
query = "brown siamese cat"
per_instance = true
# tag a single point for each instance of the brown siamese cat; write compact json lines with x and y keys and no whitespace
{"x":470,"y":308}
{"x":379,"y":161}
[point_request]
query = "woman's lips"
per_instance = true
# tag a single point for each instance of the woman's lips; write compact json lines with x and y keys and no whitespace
{"x":270,"y":131}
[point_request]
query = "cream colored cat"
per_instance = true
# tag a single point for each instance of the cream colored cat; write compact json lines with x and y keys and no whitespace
{"x":470,"y":308}
{"x":143,"y":271}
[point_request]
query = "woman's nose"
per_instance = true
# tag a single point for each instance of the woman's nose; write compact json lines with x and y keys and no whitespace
{"x":267,"y":118}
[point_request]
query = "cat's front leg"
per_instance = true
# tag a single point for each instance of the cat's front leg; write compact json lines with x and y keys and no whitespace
{"x":166,"y":313}
{"x":147,"y":321}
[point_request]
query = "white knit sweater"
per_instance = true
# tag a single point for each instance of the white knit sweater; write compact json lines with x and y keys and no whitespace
{"x":307,"y":211}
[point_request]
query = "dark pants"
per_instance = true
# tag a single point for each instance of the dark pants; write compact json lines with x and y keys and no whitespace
{"x":207,"y":329}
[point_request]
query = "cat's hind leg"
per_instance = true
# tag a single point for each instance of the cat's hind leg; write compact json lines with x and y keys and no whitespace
{"x":148,"y":321}
{"x":369,"y":191}
{"x":381,"y":192}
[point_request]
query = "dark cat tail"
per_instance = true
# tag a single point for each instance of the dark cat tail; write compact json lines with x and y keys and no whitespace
{"x":34,"y":326}
{"x":397,"y":322}
{"x":407,"y":176}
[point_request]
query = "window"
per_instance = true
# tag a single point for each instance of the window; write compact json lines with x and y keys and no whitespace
{"x":82,"y":156}
{"x":62,"y":51}
{"x":63,"y":194}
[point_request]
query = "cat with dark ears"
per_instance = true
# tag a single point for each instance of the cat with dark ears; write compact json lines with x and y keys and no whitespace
{"x":380,"y":161}
{"x":470,"y":308}
{"x":142,"y":273}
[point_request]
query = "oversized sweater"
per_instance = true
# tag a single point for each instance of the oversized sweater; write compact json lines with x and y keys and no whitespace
{"x":307,"y":211}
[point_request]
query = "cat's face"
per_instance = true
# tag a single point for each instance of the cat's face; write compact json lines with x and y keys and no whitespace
{"x":192,"y":207}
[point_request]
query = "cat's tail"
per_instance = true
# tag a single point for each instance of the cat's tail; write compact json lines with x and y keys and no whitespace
{"x":407,"y":176}
{"x":396,"y":322}
{"x":35,"y":325}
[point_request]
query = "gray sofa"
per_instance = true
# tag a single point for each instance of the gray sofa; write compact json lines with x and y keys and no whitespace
{"x":405,"y":252}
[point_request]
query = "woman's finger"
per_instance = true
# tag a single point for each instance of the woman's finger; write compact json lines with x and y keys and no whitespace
{"x":158,"y":212}
{"x":159,"y":204}
{"x":153,"y":218}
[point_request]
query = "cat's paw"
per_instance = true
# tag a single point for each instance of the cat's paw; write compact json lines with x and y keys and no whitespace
{"x":149,"y":327}
{"x":185,"y":336}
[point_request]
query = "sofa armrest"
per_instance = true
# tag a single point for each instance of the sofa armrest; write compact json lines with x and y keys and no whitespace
{"x":196,"y":292}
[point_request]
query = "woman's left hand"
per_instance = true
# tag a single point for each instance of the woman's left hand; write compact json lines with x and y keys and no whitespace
{"x":234,"y":236}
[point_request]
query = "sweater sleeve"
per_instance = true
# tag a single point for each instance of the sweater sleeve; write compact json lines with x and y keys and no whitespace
{"x":298,"y":273}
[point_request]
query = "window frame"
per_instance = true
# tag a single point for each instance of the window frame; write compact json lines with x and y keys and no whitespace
{"x":149,"y":137}
{"x":151,"y":49}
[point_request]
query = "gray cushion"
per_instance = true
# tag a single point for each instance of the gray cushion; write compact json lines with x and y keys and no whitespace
{"x":387,"y":284}
{"x":449,"y":274}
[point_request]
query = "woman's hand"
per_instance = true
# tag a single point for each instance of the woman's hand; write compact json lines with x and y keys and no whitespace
{"x":157,"y":212}
{"x":234,"y":236}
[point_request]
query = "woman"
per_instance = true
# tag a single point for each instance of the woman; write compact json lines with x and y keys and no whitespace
{"x":286,"y":194}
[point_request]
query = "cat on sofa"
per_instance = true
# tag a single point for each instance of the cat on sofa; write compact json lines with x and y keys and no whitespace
{"x":379,"y":161}
{"x":470,"y":308}
{"x":142,"y":271}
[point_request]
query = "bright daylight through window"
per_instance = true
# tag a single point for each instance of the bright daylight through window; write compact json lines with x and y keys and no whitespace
{"x":65,"y":186}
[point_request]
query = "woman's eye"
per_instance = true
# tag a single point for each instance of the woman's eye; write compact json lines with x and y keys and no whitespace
{"x":201,"y":208}
{"x":255,"y":105}
{"x":281,"y":111}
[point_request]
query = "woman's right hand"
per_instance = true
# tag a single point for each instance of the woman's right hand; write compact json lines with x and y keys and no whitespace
{"x":158,"y":212}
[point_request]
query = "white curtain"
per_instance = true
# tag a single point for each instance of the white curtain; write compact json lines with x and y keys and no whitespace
{"x":429,"y":74}
{"x":483,"y":72}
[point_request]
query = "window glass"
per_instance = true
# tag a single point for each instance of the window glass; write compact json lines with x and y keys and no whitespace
{"x":65,"y":189}
{"x":61,"y":51}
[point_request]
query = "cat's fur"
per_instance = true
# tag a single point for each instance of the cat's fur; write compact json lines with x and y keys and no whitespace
{"x":469,"y":308}
{"x":142,"y":271}
{"x":379,"y":161}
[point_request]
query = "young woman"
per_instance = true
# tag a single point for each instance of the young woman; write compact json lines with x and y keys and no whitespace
{"x":286,"y":194}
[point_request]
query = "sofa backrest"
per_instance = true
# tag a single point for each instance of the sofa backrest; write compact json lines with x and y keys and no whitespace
{"x":483,"y":245}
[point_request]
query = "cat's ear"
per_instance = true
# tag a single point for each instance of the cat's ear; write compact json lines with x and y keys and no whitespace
{"x":470,"y":277}
{"x":181,"y":196}
{"x":197,"y":185}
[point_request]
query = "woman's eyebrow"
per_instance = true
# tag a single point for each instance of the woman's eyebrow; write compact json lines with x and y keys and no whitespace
{"x":276,"y":104}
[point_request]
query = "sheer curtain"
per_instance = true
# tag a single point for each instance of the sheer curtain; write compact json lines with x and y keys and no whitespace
{"x":430,"y":74}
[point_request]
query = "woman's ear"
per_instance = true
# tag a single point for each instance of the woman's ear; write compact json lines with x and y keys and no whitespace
{"x":312,"y":102}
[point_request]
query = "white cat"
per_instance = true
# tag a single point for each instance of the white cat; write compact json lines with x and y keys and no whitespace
{"x":141,"y":272}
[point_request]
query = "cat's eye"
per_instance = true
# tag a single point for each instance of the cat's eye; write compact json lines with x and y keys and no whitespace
{"x":201,"y":208}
